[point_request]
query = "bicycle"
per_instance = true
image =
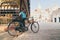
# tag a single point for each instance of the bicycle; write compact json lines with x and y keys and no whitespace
{"x":15,"y":25}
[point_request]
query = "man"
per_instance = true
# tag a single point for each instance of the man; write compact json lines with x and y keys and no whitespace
{"x":22,"y":15}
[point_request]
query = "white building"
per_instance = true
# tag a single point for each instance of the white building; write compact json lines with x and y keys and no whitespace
{"x":41,"y":15}
{"x":47,"y":15}
{"x":56,"y":15}
{"x":36,"y":14}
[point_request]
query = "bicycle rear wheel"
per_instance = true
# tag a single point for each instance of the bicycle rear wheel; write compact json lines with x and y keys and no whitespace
{"x":35,"y":27}
{"x":12,"y":28}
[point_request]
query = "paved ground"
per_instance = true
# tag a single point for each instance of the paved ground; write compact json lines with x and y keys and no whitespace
{"x":48,"y":31}
{"x":43,"y":35}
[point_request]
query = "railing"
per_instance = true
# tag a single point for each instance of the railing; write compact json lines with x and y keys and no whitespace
{"x":9,"y":11}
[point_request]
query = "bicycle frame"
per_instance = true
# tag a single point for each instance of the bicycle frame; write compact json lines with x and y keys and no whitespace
{"x":29,"y":21}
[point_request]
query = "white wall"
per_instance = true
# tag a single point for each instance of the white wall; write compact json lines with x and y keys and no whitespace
{"x":57,"y":18}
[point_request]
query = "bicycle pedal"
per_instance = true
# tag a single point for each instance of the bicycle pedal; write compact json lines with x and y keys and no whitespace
{"x":20,"y":30}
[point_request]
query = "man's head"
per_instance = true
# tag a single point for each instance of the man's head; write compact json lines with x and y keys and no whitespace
{"x":24,"y":10}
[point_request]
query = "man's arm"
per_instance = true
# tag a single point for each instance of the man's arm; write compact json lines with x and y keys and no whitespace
{"x":20,"y":13}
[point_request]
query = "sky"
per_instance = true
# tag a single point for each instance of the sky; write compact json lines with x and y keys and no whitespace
{"x":43,"y":4}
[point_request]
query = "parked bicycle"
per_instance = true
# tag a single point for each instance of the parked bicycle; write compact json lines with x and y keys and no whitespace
{"x":15,"y":25}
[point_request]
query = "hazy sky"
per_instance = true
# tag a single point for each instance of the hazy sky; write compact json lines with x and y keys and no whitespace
{"x":43,"y":4}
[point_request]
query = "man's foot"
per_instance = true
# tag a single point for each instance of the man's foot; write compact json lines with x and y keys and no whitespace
{"x":26,"y":28}
{"x":20,"y":30}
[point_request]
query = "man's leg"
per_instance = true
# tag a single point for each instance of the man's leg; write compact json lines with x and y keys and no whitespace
{"x":24,"y":21}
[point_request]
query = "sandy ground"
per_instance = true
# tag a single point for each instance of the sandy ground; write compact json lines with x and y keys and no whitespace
{"x":3,"y":27}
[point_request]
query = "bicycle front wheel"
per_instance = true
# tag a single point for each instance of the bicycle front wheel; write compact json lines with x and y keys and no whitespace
{"x":35,"y":27}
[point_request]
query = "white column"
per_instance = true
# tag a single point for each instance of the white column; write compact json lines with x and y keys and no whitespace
{"x":57,"y":18}
{"x":53,"y":20}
